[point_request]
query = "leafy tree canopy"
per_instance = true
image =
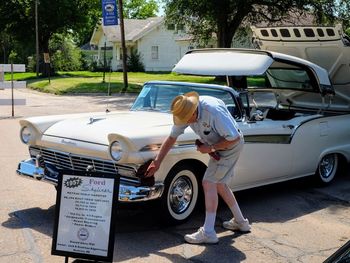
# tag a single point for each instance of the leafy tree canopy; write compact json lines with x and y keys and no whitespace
{"x":18,"y":18}
{"x":140,"y":9}
{"x":78,"y":17}
{"x":224,"y":17}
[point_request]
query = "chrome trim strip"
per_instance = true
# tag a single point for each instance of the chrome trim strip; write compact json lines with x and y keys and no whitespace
{"x":269,"y":138}
{"x":156,"y":147}
{"x":72,"y":140}
{"x":127,"y":192}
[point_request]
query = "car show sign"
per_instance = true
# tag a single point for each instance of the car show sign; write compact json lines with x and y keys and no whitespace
{"x":85,"y":215}
{"x":109,"y":12}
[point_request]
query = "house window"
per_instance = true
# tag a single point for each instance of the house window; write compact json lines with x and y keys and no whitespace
{"x":154,"y":52}
{"x":171,"y":26}
{"x":180,"y":27}
{"x":121,"y":54}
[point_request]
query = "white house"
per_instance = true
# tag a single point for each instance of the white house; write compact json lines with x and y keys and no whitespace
{"x":161,"y":46}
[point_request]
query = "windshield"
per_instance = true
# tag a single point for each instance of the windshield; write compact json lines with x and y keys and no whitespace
{"x":158,"y":97}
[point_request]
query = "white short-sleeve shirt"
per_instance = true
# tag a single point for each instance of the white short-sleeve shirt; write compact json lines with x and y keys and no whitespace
{"x":213,"y":123}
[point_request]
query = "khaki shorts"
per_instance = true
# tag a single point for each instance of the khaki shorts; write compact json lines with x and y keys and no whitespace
{"x":222,"y":171}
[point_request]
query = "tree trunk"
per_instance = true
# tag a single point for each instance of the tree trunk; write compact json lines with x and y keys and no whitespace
{"x":225,"y":36}
{"x":4,"y":53}
{"x":227,"y":28}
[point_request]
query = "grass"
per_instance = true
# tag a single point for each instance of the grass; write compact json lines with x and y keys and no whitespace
{"x":78,"y":82}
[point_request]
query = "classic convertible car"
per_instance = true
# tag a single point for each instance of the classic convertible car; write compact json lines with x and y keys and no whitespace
{"x":290,"y":125}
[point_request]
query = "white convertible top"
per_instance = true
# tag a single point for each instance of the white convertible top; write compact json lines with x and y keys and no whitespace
{"x":223,"y":63}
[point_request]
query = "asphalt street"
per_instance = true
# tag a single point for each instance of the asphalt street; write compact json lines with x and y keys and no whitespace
{"x":291,"y":222}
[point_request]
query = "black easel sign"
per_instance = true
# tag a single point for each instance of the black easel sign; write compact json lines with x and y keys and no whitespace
{"x":85,"y":215}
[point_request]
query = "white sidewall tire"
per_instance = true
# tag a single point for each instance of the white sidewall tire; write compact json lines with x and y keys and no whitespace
{"x":332,"y":161}
{"x":195,"y":189}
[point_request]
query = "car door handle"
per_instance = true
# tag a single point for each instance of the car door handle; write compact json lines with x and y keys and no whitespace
{"x":290,"y":126}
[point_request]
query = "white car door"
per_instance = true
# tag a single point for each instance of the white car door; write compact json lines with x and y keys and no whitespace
{"x":267,"y":155}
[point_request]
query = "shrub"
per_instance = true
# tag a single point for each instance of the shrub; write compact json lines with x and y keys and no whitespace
{"x":347,"y":31}
{"x":134,"y":62}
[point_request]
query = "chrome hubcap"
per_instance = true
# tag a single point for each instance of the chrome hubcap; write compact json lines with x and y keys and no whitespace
{"x":327,"y":166}
{"x":180,"y":194}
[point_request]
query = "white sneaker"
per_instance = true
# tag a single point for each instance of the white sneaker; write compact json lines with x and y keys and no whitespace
{"x":201,"y":237}
{"x":241,"y":226}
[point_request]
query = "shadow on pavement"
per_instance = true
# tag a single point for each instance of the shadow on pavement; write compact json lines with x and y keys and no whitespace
{"x":139,"y":233}
{"x":289,"y":200}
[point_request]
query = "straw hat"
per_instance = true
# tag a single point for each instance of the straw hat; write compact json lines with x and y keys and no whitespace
{"x":184,"y":106}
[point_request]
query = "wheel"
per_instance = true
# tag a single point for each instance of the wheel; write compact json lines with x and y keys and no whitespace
{"x":327,"y":168}
{"x":181,"y":191}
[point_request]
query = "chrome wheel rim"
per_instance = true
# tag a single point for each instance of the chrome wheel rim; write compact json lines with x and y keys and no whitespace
{"x":180,"y":194}
{"x":327,"y":166}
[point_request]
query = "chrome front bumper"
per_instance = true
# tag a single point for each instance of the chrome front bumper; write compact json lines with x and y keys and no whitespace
{"x":127,"y":192}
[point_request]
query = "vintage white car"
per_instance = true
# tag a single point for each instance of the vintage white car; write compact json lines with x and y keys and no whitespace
{"x":290,"y":125}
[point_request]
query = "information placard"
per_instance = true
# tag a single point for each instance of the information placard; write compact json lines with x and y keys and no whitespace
{"x":85,"y":215}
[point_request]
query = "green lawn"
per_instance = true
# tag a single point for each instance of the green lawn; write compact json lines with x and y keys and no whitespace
{"x":92,"y":82}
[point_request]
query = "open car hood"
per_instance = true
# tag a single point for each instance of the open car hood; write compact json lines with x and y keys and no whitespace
{"x":326,"y":46}
{"x":316,"y":93}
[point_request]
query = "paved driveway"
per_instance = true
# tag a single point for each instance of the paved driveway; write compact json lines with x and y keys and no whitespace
{"x":292,"y":222}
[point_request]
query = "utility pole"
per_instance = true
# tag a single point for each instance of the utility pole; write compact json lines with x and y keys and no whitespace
{"x":36,"y":38}
{"x":125,"y":70}
{"x":104,"y":63}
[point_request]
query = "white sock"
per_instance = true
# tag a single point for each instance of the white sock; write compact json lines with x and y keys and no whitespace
{"x":237,"y":214}
{"x":209,"y":222}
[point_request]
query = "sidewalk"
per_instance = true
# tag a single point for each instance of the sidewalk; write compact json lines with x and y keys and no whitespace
{"x":48,"y":104}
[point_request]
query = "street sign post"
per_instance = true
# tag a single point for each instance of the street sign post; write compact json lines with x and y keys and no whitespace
{"x":11,"y":84}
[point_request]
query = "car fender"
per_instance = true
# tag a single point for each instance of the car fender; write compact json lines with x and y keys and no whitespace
{"x":344,"y":150}
{"x":172,"y":159}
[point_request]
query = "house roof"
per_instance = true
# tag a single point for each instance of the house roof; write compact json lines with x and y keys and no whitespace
{"x":137,"y":28}
{"x":134,"y":29}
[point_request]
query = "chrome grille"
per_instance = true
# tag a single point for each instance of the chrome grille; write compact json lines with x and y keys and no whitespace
{"x":64,"y":160}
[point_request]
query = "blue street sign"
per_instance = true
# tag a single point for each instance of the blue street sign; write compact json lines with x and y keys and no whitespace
{"x":109,"y":12}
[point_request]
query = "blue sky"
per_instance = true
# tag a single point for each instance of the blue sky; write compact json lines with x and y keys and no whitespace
{"x":161,"y":11}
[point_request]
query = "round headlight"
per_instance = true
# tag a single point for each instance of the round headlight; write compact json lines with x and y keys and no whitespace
{"x":26,"y":134}
{"x":116,"y":151}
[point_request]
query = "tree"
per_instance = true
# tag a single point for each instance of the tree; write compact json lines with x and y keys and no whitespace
{"x":140,"y":9}
{"x":65,"y":56}
{"x":5,"y":45}
{"x":134,"y":62}
{"x":203,"y":18}
{"x":59,"y":16}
